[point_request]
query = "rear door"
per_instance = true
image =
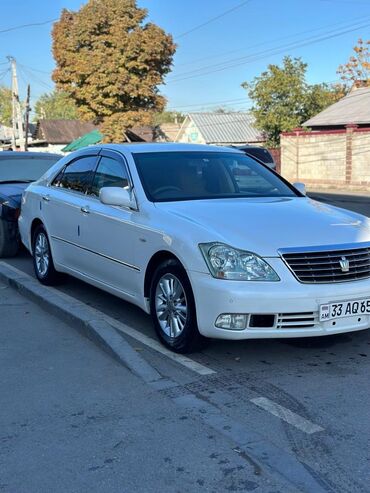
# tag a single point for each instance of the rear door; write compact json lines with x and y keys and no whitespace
{"x":62,"y":207}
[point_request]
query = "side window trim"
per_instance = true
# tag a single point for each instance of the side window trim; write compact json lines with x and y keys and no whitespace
{"x":121,"y":158}
{"x":89,"y":188}
{"x":69,"y":163}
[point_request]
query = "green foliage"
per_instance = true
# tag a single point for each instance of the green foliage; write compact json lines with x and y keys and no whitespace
{"x":283,"y":100}
{"x":168,"y":117}
{"x":56,"y":105}
{"x":111,"y":63}
{"x":5,"y":106}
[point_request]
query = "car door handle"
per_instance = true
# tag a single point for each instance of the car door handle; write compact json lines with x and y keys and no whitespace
{"x":46,"y":198}
{"x":85,"y":209}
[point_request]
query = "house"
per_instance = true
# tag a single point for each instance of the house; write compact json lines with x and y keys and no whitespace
{"x":5,"y":136}
{"x":167,"y":132}
{"x":53,"y":135}
{"x":161,"y":133}
{"x":333,"y":148}
{"x":220,"y":129}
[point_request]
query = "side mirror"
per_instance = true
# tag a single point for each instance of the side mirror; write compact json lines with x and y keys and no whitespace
{"x":301,"y":187}
{"x":120,"y":197}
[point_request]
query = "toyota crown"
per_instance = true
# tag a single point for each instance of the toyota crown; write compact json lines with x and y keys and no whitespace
{"x":210,"y":242}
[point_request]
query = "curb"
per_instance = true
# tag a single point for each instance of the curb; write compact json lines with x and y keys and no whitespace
{"x":84,"y":319}
{"x":281,"y":465}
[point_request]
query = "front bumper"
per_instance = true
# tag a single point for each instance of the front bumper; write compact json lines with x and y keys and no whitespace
{"x":295,"y":305}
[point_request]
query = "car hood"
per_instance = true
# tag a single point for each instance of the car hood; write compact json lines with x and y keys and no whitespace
{"x":265,"y":225}
{"x":12,"y":191}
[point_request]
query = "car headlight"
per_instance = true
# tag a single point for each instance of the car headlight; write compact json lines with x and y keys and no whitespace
{"x":225,"y":262}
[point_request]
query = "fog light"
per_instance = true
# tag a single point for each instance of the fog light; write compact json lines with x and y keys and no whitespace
{"x":232,"y":321}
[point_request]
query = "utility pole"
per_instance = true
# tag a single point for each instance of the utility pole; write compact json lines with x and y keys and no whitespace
{"x":16,"y":107}
{"x":28,"y":109}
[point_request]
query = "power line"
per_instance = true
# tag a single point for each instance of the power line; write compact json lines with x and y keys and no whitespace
{"x":4,"y":73}
{"x":199,"y":26}
{"x":22,"y":26}
{"x":220,"y":55}
{"x":28,"y":73}
{"x":36,"y":70}
{"x":284,"y":46}
{"x":261,"y":55}
{"x":210,"y":103}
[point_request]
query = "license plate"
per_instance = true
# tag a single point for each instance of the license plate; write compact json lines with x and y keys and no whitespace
{"x":343,"y":309}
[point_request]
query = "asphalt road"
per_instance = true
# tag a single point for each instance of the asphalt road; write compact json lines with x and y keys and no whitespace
{"x":308,"y":397}
{"x":73,"y":420}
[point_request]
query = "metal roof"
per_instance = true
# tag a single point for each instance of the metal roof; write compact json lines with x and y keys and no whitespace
{"x":353,"y":108}
{"x":227,"y":128}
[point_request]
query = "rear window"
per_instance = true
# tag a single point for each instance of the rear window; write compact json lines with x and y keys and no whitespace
{"x":25,"y":168}
{"x":260,"y":153}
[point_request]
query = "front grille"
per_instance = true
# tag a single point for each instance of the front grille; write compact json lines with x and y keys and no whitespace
{"x":304,"y":320}
{"x":325,"y":266}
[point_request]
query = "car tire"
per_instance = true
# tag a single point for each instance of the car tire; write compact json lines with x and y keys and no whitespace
{"x":172,"y":308}
{"x":42,"y":258}
{"x":9,"y":239}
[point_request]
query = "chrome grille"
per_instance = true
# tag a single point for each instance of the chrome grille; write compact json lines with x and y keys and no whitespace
{"x":325,"y":266}
{"x":304,"y":320}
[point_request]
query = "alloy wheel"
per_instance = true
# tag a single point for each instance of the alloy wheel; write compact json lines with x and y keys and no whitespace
{"x":42,"y":254}
{"x":171,"y":305}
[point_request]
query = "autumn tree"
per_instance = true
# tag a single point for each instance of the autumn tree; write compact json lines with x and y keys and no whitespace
{"x":111,"y":62}
{"x":357,"y":69}
{"x":5,"y":106}
{"x":55,"y":105}
{"x":283,"y":100}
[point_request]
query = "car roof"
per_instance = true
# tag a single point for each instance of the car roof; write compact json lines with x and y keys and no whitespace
{"x":21,"y":154}
{"x":140,"y":147}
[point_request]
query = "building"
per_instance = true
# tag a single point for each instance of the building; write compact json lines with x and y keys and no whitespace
{"x":6,"y":134}
{"x":167,"y":132}
{"x":219,"y":129}
{"x":333,"y":150}
{"x":53,"y":135}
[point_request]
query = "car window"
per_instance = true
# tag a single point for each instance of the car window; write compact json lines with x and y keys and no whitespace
{"x":25,"y":168}
{"x":261,"y":154}
{"x":168,"y":176}
{"x":77,"y":175}
{"x":109,"y":173}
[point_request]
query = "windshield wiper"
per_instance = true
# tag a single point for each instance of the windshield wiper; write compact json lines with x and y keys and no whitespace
{"x":15,"y":181}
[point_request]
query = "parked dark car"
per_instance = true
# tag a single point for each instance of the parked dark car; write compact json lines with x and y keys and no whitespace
{"x":17,"y":170}
{"x":260,"y":153}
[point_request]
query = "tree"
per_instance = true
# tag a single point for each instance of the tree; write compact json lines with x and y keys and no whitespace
{"x":320,"y":96}
{"x":5,"y":106}
{"x":283,"y":100}
{"x":357,"y":69}
{"x":168,"y":117}
{"x":55,"y":105}
{"x":111,"y":63}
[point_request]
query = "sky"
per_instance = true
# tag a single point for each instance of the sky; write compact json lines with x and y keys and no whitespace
{"x":221,"y":43}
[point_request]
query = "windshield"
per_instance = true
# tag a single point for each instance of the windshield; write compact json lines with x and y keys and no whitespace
{"x":24,"y":168}
{"x":169,"y":176}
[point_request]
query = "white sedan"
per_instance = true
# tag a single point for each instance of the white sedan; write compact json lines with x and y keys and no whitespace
{"x":208,"y":241}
